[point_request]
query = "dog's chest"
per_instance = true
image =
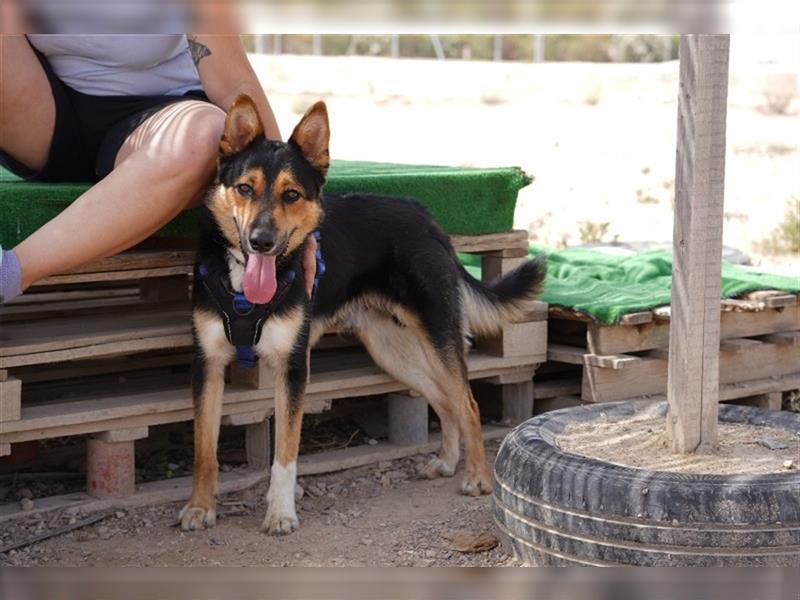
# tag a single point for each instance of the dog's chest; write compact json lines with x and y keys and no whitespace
{"x":236,"y":269}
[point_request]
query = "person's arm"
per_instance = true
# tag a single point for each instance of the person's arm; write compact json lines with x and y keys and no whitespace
{"x":225,"y":73}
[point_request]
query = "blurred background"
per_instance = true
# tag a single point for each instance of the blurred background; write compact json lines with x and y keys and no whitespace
{"x":591,"y":117}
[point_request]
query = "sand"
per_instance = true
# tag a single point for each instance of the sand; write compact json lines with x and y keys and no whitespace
{"x":641,"y":442}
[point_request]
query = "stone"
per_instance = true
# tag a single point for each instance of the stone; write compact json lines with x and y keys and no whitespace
{"x":26,"y":504}
{"x":772,"y":444}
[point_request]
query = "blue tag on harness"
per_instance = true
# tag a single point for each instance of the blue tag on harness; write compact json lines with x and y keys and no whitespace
{"x":245,"y":357}
{"x":241,"y":304}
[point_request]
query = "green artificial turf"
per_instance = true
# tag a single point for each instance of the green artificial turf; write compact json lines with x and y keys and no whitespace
{"x":463,"y":201}
{"x":607,"y":287}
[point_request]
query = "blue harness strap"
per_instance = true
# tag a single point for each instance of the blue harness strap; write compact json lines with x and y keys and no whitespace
{"x":245,"y":357}
{"x":244,"y":320}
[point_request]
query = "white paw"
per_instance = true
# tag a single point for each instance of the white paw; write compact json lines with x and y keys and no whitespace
{"x":437,"y":467}
{"x":279,"y":523}
{"x":476,"y":485}
{"x":194,"y":518}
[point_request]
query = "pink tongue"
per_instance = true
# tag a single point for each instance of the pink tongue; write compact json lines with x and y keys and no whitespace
{"x":259,"y":283}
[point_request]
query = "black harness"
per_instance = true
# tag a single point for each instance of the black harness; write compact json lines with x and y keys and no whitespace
{"x":244,"y":320}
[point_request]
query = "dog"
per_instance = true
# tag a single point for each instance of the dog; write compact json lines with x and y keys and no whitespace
{"x":392,"y":280}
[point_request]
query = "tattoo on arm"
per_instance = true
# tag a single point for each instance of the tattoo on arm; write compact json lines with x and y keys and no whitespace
{"x":199,"y":51}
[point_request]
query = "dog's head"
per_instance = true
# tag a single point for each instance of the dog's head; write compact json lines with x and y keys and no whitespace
{"x":268,"y":197}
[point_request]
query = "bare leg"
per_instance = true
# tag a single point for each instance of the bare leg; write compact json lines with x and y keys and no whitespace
{"x":27,"y":109}
{"x":161,"y":169}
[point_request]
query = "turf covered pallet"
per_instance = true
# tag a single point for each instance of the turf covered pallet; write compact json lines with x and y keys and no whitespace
{"x":463,"y":201}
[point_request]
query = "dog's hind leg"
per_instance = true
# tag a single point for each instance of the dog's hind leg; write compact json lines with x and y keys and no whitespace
{"x":477,"y":479}
{"x":403,"y":351}
{"x":208,"y":382}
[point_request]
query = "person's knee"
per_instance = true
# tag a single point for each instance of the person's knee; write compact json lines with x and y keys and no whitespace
{"x":194,"y":153}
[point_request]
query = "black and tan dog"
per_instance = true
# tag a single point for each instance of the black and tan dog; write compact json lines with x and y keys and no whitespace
{"x":392,"y":279}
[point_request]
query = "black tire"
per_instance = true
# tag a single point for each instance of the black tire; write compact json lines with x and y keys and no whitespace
{"x":556,"y":508}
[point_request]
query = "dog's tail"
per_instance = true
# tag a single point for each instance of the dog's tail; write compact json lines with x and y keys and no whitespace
{"x":488,"y":306}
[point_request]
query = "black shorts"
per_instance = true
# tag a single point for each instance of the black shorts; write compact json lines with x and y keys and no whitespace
{"x":89,"y":131}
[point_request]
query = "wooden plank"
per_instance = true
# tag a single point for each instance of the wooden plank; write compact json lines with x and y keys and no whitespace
{"x":636,"y":318}
{"x":10,"y":400}
{"x":493,"y":267}
{"x":105,"y":350}
{"x":131,"y":275}
{"x":611,"y":361}
{"x":738,"y":345}
{"x":122,"y":435}
{"x":562,"y":312}
{"x":91,"y":367}
{"x":34,"y":297}
{"x":490,"y":242}
{"x":75,"y":308}
{"x":165,"y":289}
{"x":732,"y":304}
{"x":516,"y":339}
{"x":616,"y":339}
{"x":693,"y":387}
{"x":772,"y":298}
{"x":143,"y":264}
{"x":649,"y":376}
{"x":741,"y":389}
{"x":257,"y":445}
{"x":784,"y":338}
{"x":565,"y":354}
{"x":770,"y":401}
{"x":149,"y":493}
{"x":137,"y":260}
{"x":329,"y":381}
{"x":260,"y":377}
{"x":179,"y":489}
{"x":249,"y":418}
{"x":358,"y":456}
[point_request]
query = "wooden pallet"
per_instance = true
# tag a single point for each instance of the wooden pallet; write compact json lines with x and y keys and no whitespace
{"x":758,"y":313}
{"x":759,"y":366}
{"x":131,"y":312}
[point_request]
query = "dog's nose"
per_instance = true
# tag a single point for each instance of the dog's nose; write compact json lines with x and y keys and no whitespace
{"x":262,"y":240}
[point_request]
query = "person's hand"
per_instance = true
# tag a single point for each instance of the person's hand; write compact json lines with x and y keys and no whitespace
{"x":310,"y":264}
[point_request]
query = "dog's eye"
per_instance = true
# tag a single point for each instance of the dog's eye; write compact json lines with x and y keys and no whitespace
{"x":290,"y":196}
{"x":245,"y":190}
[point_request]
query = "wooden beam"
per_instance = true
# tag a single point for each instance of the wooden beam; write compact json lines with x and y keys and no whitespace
{"x":693,"y":371}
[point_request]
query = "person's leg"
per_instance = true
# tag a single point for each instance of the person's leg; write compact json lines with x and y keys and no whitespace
{"x":27,"y":108}
{"x":27,"y":121}
{"x":162,"y":168}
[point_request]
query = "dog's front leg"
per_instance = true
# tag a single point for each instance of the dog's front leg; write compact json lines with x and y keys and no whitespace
{"x":208,"y":385}
{"x":290,"y":385}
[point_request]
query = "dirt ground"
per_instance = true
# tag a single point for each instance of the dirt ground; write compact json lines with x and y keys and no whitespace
{"x":379,"y":515}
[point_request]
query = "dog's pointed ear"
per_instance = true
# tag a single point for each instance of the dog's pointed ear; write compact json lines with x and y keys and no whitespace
{"x":312,"y":135}
{"x":242,"y":126}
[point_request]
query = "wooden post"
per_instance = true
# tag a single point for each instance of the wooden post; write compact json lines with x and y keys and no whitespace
{"x":693,"y":380}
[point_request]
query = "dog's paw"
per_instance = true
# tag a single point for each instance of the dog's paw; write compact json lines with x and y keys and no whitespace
{"x":280,"y":524}
{"x":437,"y":467}
{"x":194,"y":518}
{"x":476,"y":485}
